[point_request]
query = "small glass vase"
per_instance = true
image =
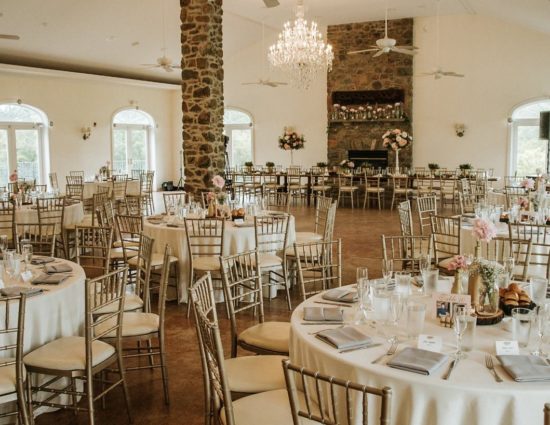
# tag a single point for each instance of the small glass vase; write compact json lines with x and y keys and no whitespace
{"x":488,"y":297}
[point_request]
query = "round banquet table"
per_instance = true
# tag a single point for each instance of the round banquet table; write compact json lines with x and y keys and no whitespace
{"x":469,"y":241}
{"x":91,"y":187}
{"x":28,"y":214}
{"x":236,"y":240}
{"x":470,"y":397}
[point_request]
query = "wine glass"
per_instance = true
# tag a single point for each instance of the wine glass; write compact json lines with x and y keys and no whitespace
{"x":3,"y":243}
{"x":26,"y":253}
{"x":396,"y":309}
{"x":460,"y":323}
{"x":362,"y":275}
{"x":387,"y":271}
{"x":424,"y":265}
{"x":509,"y":264}
{"x":541,"y":324}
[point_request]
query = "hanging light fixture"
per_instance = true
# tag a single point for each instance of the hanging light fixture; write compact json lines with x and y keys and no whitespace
{"x":300,"y":50}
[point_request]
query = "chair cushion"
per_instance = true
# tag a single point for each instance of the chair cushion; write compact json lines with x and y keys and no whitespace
{"x":131,"y":242}
{"x":302,"y":237}
{"x":133,"y":324}
{"x":131,"y":302}
{"x":156,"y":260}
{"x":207,"y":263}
{"x":272,"y":336}
{"x":348,"y":188}
{"x":375,"y":189}
{"x":7,"y":377}
{"x":269,"y":260}
{"x":321,"y":188}
{"x":118,"y":253}
{"x":267,"y":408}
{"x":254,"y":374}
{"x":68,"y":354}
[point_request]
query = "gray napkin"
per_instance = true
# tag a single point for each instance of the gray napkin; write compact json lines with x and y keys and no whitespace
{"x":418,"y":361}
{"x":14,"y":291}
{"x":343,"y":295}
{"x":323,"y":314}
{"x":525,"y":368}
{"x":344,"y":338}
{"x":38,"y":260}
{"x":49,"y":279}
{"x":58,"y":268}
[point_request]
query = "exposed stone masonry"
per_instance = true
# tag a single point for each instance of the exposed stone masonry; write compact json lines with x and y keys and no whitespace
{"x":363,"y":72}
{"x":202,"y":91}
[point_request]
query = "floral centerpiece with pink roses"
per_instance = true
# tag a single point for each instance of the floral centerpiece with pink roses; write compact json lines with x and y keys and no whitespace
{"x":396,"y":140}
{"x":291,"y":141}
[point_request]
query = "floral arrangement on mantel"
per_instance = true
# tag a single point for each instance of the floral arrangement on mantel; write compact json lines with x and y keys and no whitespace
{"x":291,"y":140}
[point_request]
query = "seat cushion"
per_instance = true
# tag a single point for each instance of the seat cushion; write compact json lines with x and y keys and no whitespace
{"x":68,"y":354}
{"x":348,"y":188}
{"x":267,"y":260}
{"x":209,"y":263}
{"x":267,"y":408}
{"x":156,"y":260}
{"x":254,"y":374}
{"x":133,"y":324}
{"x":131,"y":302}
{"x":7,"y":377}
{"x":118,"y":253}
{"x":302,"y":237}
{"x":272,"y":336}
{"x":321,"y":188}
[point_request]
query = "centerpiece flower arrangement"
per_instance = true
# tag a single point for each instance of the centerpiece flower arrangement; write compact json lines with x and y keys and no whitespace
{"x":104,"y":170}
{"x":460,"y":266}
{"x":347,"y":166}
{"x":291,"y":141}
{"x":217,"y":198}
{"x":396,"y":140}
{"x":528,"y":184}
{"x":13,"y":176}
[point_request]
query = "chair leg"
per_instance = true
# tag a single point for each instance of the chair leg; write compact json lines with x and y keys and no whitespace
{"x":164,"y":368}
{"x":90,"y":397}
{"x":124,"y":386}
{"x":29,"y":398}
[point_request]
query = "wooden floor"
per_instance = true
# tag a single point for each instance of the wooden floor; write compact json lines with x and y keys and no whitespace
{"x":360,"y":231}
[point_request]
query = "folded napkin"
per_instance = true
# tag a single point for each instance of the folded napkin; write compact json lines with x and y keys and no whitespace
{"x":244,"y":224}
{"x":344,"y":338}
{"x":14,"y":291}
{"x":323,"y":314}
{"x":37,"y":260}
{"x":418,"y":361}
{"x":58,"y":268}
{"x":49,"y":279}
{"x":525,"y":368}
{"x":344,"y":295}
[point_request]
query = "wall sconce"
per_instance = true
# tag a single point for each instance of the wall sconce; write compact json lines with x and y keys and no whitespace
{"x":460,"y":129}
{"x":87,"y":131}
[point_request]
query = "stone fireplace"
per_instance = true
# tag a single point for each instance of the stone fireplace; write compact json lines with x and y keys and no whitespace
{"x":361,"y":80}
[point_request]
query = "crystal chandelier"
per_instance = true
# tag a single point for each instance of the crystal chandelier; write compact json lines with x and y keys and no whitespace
{"x":300,"y":50}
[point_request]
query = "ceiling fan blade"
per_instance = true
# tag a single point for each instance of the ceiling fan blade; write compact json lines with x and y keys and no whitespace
{"x":271,"y":3}
{"x":250,"y":84}
{"x":355,"y":52}
{"x":9,"y":37}
{"x":379,"y":53}
{"x":280,"y":83}
{"x":403,"y":51}
{"x":452,"y":74}
{"x":150,"y":65}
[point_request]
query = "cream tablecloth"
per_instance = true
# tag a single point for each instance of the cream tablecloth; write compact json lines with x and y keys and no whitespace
{"x":236,"y":240}
{"x":74,"y":214}
{"x":91,"y":187}
{"x":470,"y":397}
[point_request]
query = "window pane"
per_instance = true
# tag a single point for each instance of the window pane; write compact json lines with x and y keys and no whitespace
{"x":532,"y":152}
{"x":241,"y":146}
{"x":18,"y":113}
{"x":119,"y":151}
{"x":531,"y":110}
{"x":4,"y":164}
{"x":26,"y":151}
{"x":131,"y":116}
{"x":137,"y":150}
{"x":232,"y":116}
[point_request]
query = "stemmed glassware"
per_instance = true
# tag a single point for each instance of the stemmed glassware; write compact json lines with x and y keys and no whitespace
{"x":542,"y":321}
{"x":12,"y":264}
{"x":460,"y":323}
{"x":509,"y":264}
{"x":362,"y":294}
{"x":396,"y":309}
{"x":424,"y":265}
{"x":3,"y":243}
{"x":387,"y":271}
{"x":26,"y":253}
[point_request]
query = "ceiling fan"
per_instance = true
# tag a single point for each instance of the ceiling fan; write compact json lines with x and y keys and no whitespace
{"x":163,"y":62}
{"x":9,"y":37}
{"x":264,"y":81}
{"x":438,"y":72}
{"x":386,"y":44}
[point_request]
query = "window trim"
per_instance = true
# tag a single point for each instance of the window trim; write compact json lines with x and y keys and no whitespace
{"x":250,"y":126}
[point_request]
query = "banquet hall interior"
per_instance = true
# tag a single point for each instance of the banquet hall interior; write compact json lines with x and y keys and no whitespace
{"x":271,"y":212}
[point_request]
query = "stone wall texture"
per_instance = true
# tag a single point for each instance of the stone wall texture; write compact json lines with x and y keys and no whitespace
{"x":363,"y":72}
{"x":202,"y":91}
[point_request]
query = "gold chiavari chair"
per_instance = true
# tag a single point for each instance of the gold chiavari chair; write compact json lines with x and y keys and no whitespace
{"x":98,"y":200}
{"x":277,"y":201}
{"x":326,"y":399}
{"x":539,"y":234}
{"x":75,"y":179}
{"x":320,"y":183}
{"x":448,"y":192}
{"x":295,"y":184}
{"x":467,"y":203}
{"x":268,"y":406}
{"x":514,"y":194}
{"x":129,"y":228}
{"x":146,"y":179}
{"x":271,"y":233}
{"x":42,"y":188}
{"x":12,"y":370}
{"x":13,"y":188}
{"x":74,"y":192}
{"x":405,"y":218}
{"x":272,"y":182}
{"x":500,"y":248}
{"x":464,"y":187}
{"x":52,"y":211}
{"x":78,"y":173}
{"x":400,"y":189}
{"x":322,"y":217}
{"x":119,"y":190}
{"x":52,"y":177}
{"x":346,"y":187}
{"x":423,"y":186}
{"x":93,"y":246}
{"x":319,"y":266}
{"x":244,"y":294}
{"x":83,"y":358}
{"x":406,"y":251}
{"x":426,"y":207}
{"x":373,"y":190}
{"x":252,"y":185}
{"x":174,"y":199}
{"x":145,"y":327}
{"x":480,"y":189}
{"x":7,"y":221}
{"x":547,"y":414}
{"x":446,"y":238}
{"x":41,"y":237}
{"x":135,"y":205}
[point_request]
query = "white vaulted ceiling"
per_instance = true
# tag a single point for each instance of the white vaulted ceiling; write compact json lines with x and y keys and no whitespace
{"x":116,"y":36}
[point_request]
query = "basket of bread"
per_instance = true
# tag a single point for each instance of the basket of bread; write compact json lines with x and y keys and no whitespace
{"x":514,"y":296}
{"x":238,"y":214}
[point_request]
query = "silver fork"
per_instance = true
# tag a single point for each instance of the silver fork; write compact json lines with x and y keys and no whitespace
{"x":489,"y":364}
{"x":390,"y":352}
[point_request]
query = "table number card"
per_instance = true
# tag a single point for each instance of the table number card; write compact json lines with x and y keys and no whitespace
{"x":444,"y":303}
{"x":430,"y":343}
{"x":506,"y":347}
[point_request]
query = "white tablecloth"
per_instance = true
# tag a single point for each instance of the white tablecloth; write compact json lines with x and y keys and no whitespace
{"x":74,"y":214}
{"x":236,"y":240}
{"x":470,"y":397}
{"x":469,"y":241}
{"x":91,"y":187}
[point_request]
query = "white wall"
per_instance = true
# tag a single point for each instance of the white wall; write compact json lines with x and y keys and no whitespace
{"x":275,"y":108}
{"x":505,"y":64}
{"x":73,"y":103}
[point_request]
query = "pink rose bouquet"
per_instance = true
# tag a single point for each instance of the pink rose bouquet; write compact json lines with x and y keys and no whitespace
{"x":218,"y":181}
{"x":484,"y":230}
{"x":457,"y":263}
{"x":523,"y":203}
{"x":396,"y":139}
{"x":291,"y":140}
{"x":528,"y":184}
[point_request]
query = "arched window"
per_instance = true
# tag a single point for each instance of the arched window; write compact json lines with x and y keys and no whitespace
{"x":132,"y":141}
{"x":238,"y":128}
{"x":23,"y":142}
{"x":528,"y":152}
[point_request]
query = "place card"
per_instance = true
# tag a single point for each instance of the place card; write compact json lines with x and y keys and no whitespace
{"x":444,"y":303}
{"x":506,"y":347}
{"x":238,"y":221}
{"x":430,"y":343}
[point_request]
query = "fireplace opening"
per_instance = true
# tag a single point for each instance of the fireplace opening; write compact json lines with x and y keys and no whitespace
{"x":374,"y":158}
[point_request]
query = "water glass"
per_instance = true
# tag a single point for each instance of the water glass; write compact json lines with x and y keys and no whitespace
{"x":430,"y":278}
{"x":521,"y":325}
{"x":537,"y":290}
{"x":26,"y":253}
{"x":403,"y":283}
{"x":380,"y":300}
{"x":469,"y":337}
{"x":416,"y":313}
{"x":396,"y":307}
{"x":12,"y":264}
